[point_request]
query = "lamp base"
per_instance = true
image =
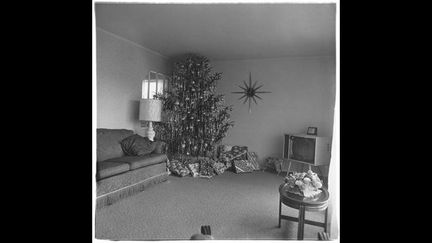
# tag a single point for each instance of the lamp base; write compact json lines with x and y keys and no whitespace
{"x":150,"y":132}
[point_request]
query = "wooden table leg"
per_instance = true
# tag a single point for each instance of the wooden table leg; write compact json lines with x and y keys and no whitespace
{"x":280,"y":211}
{"x":301,"y":218}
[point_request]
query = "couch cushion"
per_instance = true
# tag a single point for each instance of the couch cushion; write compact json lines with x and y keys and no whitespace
{"x":135,"y":145}
{"x":141,"y":161}
{"x":109,"y":168}
{"x":108,"y":142}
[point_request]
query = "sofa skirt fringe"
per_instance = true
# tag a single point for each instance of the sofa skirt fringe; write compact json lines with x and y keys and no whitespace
{"x":114,"y":196}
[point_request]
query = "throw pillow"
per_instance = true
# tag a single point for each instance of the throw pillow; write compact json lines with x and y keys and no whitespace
{"x":160,"y":147}
{"x":136,"y":145}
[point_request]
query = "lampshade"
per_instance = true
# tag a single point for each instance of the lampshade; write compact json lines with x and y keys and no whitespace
{"x":150,"y":110}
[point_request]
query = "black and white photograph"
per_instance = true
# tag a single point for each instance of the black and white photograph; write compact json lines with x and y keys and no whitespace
{"x":312,"y":131}
{"x":206,"y":118}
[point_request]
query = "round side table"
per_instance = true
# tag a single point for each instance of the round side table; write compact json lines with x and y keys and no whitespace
{"x":292,"y":200}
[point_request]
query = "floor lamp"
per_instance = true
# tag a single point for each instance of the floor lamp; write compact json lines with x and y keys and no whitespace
{"x":151,"y":111}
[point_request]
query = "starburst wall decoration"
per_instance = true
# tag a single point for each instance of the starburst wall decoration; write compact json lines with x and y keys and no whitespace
{"x":250,"y":92}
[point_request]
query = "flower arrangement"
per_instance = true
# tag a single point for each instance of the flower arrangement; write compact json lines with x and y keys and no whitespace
{"x":304,"y":184}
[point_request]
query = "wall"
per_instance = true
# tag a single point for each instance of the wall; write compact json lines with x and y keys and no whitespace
{"x":303,"y":95}
{"x":121,"y":67}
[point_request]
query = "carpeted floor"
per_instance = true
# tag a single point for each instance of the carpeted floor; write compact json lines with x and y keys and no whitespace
{"x":236,"y":206}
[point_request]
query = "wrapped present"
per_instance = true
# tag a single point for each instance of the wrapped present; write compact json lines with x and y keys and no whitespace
{"x":239,"y":152}
{"x":223,"y":149}
{"x":253,"y":160}
{"x":194,"y":169}
{"x":219,"y":167}
{"x":229,"y":164}
{"x":242,"y":166}
{"x":172,"y":164}
{"x":228,"y":153}
{"x":206,"y":168}
{"x":226,"y":163}
{"x":178,"y":168}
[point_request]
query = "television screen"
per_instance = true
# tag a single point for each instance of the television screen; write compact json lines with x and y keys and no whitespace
{"x":303,"y":149}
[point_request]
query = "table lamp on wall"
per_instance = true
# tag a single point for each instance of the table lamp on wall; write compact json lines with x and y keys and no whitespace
{"x":151,"y":111}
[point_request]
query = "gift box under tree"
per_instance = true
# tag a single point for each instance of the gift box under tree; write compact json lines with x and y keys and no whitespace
{"x":242,"y":166}
{"x":252,"y":157}
{"x":227,"y":154}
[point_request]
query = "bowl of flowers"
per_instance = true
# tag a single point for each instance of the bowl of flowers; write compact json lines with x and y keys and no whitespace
{"x":304,"y":184}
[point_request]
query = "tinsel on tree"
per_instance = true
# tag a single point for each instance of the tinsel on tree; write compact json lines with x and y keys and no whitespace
{"x":196,"y":119}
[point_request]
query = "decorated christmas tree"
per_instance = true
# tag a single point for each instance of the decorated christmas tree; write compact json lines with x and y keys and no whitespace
{"x":196,"y":119}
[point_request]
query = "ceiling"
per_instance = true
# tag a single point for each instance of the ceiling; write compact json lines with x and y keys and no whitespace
{"x":224,"y":31}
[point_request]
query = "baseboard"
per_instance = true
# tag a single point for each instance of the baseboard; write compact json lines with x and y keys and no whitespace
{"x":114,"y":196}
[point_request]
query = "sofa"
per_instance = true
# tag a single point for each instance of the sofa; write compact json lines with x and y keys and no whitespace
{"x":119,"y":175}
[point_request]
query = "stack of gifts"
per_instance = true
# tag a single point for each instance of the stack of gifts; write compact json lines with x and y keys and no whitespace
{"x":239,"y":152}
{"x":237,"y":157}
{"x":228,"y":153}
{"x":247,"y":165}
{"x":196,"y":166}
{"x":178,"y":168}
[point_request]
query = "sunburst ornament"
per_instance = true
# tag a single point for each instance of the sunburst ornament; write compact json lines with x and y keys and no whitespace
{"x":250,"y":92}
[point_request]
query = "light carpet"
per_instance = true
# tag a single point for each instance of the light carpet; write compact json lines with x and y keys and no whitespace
{"x":236,"y":206}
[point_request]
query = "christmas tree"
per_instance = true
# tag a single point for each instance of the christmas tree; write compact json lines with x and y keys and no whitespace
{"x":196,"y":119}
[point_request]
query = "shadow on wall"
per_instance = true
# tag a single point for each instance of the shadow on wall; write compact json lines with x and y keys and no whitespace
{"x":134,"y":115}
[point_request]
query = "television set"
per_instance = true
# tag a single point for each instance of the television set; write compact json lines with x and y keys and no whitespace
{"x":307,"y":149}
